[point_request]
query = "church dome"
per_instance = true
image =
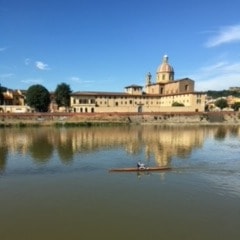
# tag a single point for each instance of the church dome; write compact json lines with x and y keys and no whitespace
{"x":165,"y":72}
{"x":165,"y":67}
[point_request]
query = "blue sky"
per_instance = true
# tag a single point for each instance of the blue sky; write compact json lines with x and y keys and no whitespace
{"x":105,"y":45}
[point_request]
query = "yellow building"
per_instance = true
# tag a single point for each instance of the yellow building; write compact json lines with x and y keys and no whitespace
{"x":163,"y":95}
{"x":14,"y":102}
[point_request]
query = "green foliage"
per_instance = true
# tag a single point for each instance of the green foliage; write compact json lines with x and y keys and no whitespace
{"x":223,"y":93}
{"x":62,"y":95}
{"x":177,"y":104}
{"x":236,"y":106}
{"x":38,"y":97}
{"x":2,"y":89}
{"x":221,"y":103}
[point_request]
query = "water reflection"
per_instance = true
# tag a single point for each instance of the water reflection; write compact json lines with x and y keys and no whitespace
{"x":59,"y":178}
{"x":3,"y":157}
{"x":162,"y":143}
{"x":3,"y":151}
{"x":220,"y":133}
{"x":41,"y":147}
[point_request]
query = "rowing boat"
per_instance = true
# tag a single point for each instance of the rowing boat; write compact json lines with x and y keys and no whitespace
{"x":136,"y":169}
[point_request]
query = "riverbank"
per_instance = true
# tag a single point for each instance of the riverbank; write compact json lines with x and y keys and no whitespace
{"x":103,"y":119}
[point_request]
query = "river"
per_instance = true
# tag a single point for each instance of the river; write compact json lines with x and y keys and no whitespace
{"x":55,"y":183}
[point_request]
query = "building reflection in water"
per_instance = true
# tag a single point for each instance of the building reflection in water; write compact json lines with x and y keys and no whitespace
{"x":162,"y":143}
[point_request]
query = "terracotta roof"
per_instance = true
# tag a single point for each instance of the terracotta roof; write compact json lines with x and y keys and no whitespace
{"x":99,"y":93}
{"x":177,"y":80}
{"x":165,"y":66}
{"x":134,"y":86}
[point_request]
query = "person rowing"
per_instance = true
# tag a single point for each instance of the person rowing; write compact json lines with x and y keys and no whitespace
{"x":141,"y":165}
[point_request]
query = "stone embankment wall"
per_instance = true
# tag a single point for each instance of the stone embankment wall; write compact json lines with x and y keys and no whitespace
{"x":139,"y":118}
{"x":190,"y":118}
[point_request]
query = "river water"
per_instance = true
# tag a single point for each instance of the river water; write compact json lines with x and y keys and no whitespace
{"x":55,"y":183}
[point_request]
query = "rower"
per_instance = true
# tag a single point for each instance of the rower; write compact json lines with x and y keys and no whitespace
{"x":141,"y":165}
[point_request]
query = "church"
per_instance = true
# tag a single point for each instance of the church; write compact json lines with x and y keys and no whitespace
{"x":165,"y":94}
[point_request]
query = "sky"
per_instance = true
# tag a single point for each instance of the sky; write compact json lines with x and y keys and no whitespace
{"x":106,"y":45}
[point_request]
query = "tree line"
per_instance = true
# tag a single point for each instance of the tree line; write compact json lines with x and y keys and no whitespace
{"x":39,"y":98}
{"x":222,"y":93}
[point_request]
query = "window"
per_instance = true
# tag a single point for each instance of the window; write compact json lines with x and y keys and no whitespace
{"x":83,"y":101}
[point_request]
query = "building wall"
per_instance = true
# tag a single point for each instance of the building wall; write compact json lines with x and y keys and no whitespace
{"x":181,"y":86}
{"x":14,"y":102}
{"x":140,"y":103}
{"x":14,"y":109}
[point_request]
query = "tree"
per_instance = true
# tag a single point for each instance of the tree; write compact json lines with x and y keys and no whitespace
{"x":221,"y":103}
{"x":236,"y":106}
{"x":177,"y":104}
{"x":38,"y":97}
{"x":62,"y":95}
{"x":2,"y":89}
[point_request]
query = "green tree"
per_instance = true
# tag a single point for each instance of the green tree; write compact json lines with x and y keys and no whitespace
{"x":221,"y":103}
{"x":62,"y":95}
{"x":38,"y":97}
{"x":2,"y":89}
{"x":177,"y":104}
{"x":236,"y":106}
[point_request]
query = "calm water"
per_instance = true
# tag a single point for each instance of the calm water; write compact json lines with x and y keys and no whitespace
{"x":55,"y":184}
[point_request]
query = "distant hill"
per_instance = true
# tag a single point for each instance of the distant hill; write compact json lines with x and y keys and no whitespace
{"x":223,"y":93}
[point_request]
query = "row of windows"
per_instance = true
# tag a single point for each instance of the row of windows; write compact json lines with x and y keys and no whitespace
{"x":92,"y":100}
{"x":116,"y":104}
{"x":163,"y":100}
{"x":82,"y":110}
{"x":84,"y":101}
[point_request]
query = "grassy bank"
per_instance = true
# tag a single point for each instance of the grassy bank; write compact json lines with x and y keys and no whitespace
{"x":60,"y":124}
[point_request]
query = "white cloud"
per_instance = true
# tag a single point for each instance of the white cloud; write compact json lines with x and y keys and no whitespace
{"x":27,"y":61}
{"x":41,"y":66}
{"x":2,"y":49}
{"x":79,"y":80}
{"x":75,"y":79}
{"x":6,"y":76}
{"x":32,"y":81}
{"x":219,"y":76}
{"x":227,"y":34}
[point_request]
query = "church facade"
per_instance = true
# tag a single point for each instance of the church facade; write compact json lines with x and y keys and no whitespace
{"x":165,"y":94}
